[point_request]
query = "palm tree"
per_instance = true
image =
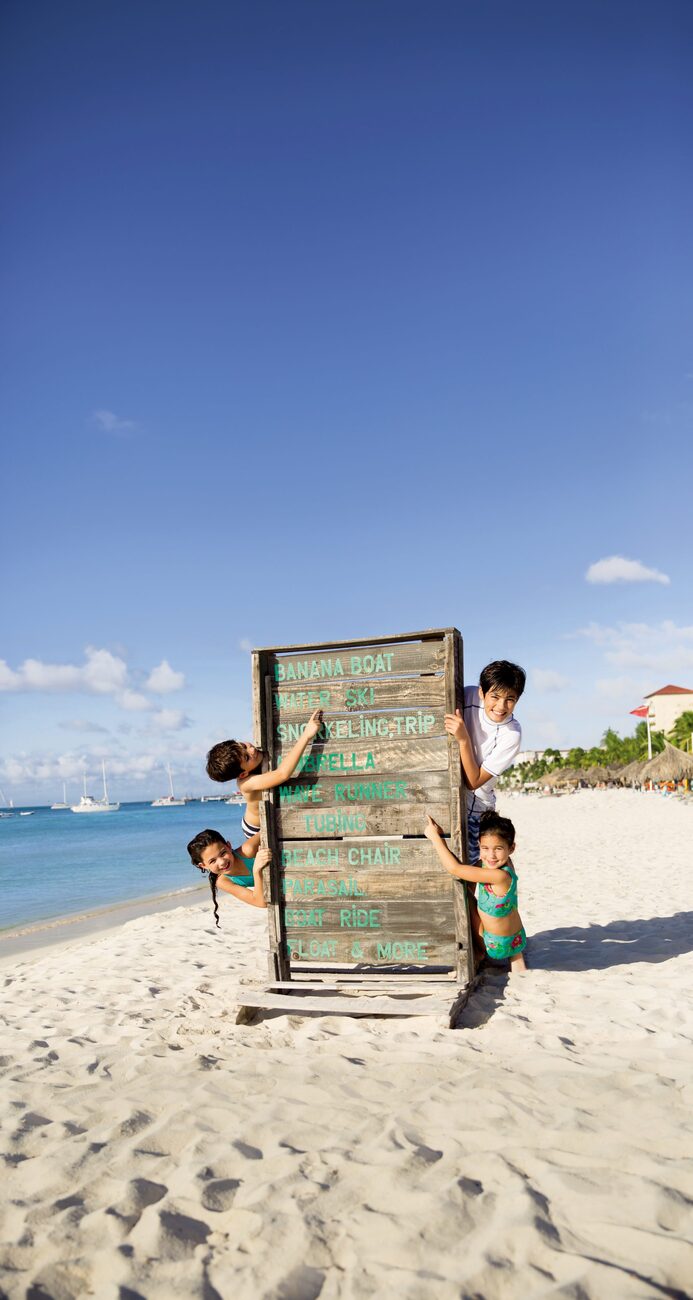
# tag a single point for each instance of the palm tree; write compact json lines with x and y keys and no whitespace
{"x":641,"y":741}
{"x":681,"y":733}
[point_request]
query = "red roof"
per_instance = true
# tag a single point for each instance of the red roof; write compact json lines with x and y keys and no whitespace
{"x":671,"y":690}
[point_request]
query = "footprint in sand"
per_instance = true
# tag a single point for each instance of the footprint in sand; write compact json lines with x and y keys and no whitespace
{"x":250,"y":1153}
{"x":219,"y":1195}
{"x":302,"y":1283}
{"x":140,"y":1193}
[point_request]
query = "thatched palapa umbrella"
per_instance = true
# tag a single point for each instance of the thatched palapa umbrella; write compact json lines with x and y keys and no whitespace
{"x":671,"y":765}
{"x":567,"y":776}
{"x":632,"y":771}
{"x":594,"y":775}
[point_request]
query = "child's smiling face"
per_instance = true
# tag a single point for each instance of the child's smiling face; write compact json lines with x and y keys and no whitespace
{"x":217,"y":857}
{"x":498,"y":703}
{"x":494,"y":850}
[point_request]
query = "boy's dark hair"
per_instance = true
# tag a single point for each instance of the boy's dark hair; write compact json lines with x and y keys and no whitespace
{"x":495,"y":824}
{"x":502,"y":675}
{"x":196,"y":848}
{"x":224,"y":760}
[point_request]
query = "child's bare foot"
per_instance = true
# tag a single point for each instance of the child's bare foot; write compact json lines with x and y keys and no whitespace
{"x":518,"y":965}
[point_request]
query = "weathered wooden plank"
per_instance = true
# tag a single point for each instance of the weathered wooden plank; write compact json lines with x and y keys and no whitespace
{"x":303,"y":889}
{"x":357,"y":984}
{"x":423,"y":1005}
{"x":365,"y":728}
{"x":457,"y":840}
{"x":424,"y":634}
{"x":299,"y":699}
{"x":413,"y":949}
{"x":385,"y":856}
{"x":342,"y":821}
{"x":372,"y":917}
{"x":358,"y":759}
{"x":413,"y":787}
{"x":358,"y":663}
{"x":278,"y":959}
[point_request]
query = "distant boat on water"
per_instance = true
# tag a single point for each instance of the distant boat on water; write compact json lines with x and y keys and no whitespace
{"x":28,"y":813}
{"x":169,"y":800}
{"x":235,"y":798}
{"x":64,"y":804}
{"x":88,"y":804}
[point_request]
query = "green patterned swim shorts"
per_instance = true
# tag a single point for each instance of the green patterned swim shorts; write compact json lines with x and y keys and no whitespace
{"x":502,"y":946}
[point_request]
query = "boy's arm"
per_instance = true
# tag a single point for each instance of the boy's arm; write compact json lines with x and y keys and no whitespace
{"x":255,"y":896}
{"x":278,"y":775}
{"x":474,"y":775}
{"x":460,"y":870}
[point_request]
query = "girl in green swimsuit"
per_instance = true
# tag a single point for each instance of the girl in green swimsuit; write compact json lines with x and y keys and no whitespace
{"x":501,"y":927}
{"x":229,"y":870}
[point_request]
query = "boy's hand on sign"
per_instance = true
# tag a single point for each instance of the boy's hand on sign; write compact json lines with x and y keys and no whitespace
{"x":313,"y":724}
{"x":454,"y":725}
{"x":263,"y":858}
{"x":432,"y":830}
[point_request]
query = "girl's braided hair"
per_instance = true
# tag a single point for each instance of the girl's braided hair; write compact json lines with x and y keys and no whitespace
{"x":196,"y":848}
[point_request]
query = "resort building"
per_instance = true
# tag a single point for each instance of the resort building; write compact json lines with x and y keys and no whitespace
{"x":534,"y":755}
{"x":667,"y":704}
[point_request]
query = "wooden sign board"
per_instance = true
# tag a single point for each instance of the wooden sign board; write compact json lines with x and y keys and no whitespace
{"x":354,"y":883}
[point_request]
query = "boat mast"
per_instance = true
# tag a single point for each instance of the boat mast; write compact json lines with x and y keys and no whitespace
{"x":170,"y":779}
{"x":105,"y":791}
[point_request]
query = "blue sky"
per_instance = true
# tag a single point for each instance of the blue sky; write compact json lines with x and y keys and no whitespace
{"x":330,"y":320}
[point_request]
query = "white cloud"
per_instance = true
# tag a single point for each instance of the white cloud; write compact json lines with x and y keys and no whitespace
{"x":620,"y":689}
{"x":163,"y":679}
{"x":545,"y":680}
{"x":102,"y":673}
{"x":170,"y":720}
{"x":661,"y":649}
{"x":134,"y":701}
{"x":36,"y":767}
{"x":109,"y":422}
{"x":82,"y":725}
{"x":615,"y":568}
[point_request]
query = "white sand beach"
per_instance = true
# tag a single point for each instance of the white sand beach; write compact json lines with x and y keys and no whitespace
{"x":153,"y":1148}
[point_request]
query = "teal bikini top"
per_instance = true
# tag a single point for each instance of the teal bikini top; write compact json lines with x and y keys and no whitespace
{"x":246,"y":881}
{"x":492,"y":904}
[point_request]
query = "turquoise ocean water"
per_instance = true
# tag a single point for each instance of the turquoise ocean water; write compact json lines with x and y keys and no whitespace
{"x":62,"y":863}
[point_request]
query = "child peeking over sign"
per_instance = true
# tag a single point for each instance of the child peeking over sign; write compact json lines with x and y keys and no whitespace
{"x":239,"y":759}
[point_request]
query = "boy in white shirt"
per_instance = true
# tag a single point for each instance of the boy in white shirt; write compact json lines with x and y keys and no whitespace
{"x":489,"y":737}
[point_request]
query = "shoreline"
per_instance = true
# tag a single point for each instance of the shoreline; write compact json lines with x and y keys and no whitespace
{"x":63,"y":929}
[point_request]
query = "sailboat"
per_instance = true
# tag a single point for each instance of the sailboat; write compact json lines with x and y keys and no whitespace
{"x":168,"y":800}
{"x":88,"y":804}
{"x":64,"y":803}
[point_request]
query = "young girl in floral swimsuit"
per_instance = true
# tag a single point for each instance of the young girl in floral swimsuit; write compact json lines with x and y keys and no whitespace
{"x":501,"y":926}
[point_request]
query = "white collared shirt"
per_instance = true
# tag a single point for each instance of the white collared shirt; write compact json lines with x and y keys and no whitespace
{"x":495,"y":745}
